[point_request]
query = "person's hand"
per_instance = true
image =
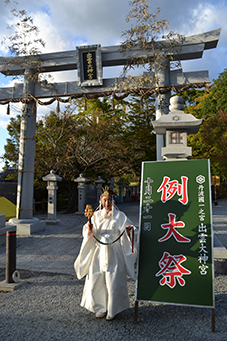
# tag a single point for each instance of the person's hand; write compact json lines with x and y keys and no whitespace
{"x":128,"y":229}
{"x":89,"y":227}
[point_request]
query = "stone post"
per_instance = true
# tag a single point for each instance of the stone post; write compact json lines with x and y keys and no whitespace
{"x":4,"y":228}
{"x":26,"y":223}
{"x":10,"y":255}
{"x":81,"y":193}
{"x":52,"y":197}
{"x":99,"y":183}
{"x":8,"y":236}
{"x":127,"y":197}
{"x":120,"y":184}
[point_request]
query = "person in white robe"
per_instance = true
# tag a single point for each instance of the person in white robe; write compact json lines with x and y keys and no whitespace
{"x":106,"y":263}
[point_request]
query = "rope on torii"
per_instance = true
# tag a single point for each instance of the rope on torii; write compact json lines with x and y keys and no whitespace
{"x":144,"y":91}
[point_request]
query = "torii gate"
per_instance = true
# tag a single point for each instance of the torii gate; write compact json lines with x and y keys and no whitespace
{"x":89,"y":60}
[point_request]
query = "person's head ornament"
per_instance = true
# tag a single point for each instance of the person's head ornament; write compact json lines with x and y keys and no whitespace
{"x":107,"y":192}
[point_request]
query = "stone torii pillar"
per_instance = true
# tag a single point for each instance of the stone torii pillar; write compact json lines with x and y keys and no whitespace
{"x":25,"y":222}
{"x":162,"y":104}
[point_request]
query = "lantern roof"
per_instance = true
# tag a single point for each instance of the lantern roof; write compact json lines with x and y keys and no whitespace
{"x":52,"y":177}
{"x":176,"y":119}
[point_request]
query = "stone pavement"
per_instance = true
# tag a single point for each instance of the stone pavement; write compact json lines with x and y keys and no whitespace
{"x":56,"y":248}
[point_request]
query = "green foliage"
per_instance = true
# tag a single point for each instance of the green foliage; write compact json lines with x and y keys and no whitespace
{"x":97,"y":141}
{"x":216,"y":99}
{"x":211,"y":140}
{"x":13,"y":176}
{"x":138,"y":131}
{"x":12,"y":147}
{"x":191,"y":98}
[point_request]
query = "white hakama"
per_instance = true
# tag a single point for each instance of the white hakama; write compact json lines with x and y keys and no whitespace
{"x":106,"y":266}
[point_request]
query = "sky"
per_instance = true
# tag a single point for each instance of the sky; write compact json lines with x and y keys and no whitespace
{"x":63,"y":25}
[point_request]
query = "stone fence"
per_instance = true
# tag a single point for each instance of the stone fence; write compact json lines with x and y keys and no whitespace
{"x":126,"y":191}
{"x":87,"y":193}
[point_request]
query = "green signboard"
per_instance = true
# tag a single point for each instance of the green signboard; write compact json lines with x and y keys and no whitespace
{"x":175,"y":263}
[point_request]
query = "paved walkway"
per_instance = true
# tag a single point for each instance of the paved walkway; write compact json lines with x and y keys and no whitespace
{"x":56,"y":248}
{"x":220,"y":221}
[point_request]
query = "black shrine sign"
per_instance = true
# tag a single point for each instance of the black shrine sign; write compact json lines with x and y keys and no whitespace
{"x":89,"y":65}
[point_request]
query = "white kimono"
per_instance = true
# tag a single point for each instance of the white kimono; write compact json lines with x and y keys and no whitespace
{"x":106,"y":266}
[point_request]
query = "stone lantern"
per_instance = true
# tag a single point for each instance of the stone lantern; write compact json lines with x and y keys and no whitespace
{"x":99,"y":183}
{"x":52,"y":187}
{"x":176,"y":126}
{"x":111,"y":183}
{"x":81,"y":180}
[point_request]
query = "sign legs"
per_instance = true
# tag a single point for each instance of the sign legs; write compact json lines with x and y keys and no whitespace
{"x":213,"y":320}
{"x":136,"y":312}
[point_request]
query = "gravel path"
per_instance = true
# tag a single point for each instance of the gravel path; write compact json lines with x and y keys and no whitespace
{"x":47,"y":307}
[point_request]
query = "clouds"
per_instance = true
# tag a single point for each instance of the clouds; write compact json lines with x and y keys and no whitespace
{"x":66,"y":24}
{"x":77,"y":22}
{"x":207,"y":17}
{"x":98,"y":21}
{"x":69,"y":23}
{"x":103,"y":21}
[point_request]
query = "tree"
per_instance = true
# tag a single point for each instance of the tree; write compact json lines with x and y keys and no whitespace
{"x":24,"y":41}
{"x":97,"y":141}
{"x":24,"y":30}
{"x":147,"y":33}
{"x":211,"y":140}
{"x":139,"y":134}
{"x":12,"y":147}
{"x":79,"y":142}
